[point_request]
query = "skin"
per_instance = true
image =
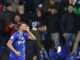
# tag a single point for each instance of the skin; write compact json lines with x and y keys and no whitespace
{"x":9,"y":8}
{"x":39,"y":14}
{"x":72,"y":1}
{"x":53,"y":11}
{"x":21,"y":30}
{"x":17,"y":20}
{"x":52,"y":2}
{"x":70,"y":9}
{"x":21,"y":9}
{"x":42,"y":29}
{"x":16,"y":1}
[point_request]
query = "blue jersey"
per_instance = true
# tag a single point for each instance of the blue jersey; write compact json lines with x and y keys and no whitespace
{"x":19,"y":45}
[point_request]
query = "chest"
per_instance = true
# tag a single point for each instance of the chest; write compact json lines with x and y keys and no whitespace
{"x":20,"y":40}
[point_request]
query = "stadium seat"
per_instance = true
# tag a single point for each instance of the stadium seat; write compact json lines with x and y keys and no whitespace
{"x":72,"y":58}
{"x":51,"y":54}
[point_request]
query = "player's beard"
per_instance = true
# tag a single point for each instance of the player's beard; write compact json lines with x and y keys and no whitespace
{"x":24,"y":31}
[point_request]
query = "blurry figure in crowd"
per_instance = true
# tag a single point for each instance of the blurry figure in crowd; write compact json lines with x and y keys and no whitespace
{"x":53,"y":26}
{"x":38,"y":19}
{"x":29,"y":5}
{"x":16,"y":42}
{"x":15,"y":5}
{"x":77,"y":40}
{"x":46,"y":7}
{"x":75,"y":6}
{"x":45,"y":41}
{"x":23,"y":15}
{"x":1,"y":7}
{"x":68,"y":26}
{"x":10,"y":1}
{"x":73,"y":2}
{"x":12,"y":26}
{"x":5,"y":18}
{"x":36,"y":48}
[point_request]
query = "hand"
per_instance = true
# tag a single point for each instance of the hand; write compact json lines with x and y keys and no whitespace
{"x":27,"y":28}
{"x":11,"y":26}
{"x":18,"y":53}
{"x":35,"y":57}
{"x":64,"y":35}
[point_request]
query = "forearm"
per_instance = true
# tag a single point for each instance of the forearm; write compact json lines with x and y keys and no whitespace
{"x":32,"y":37}
{"x":11,"y":47}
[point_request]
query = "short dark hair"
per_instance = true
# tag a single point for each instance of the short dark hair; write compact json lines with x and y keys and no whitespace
{"x":8,"y":4}
{"x":19,"y":24}
{"x":70,"y":5}
{"x":41,"y":25}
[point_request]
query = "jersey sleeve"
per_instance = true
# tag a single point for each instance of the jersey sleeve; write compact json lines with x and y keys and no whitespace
{"x":26,"y":35}
{"x":13,"y":37}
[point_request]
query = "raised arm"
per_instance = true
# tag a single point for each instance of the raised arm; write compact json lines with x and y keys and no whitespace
{"x":31,"y":36}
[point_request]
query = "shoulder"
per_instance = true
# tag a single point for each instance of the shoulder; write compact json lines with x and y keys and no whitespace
{"x":15,"y":34}
{"x":25,"y":33}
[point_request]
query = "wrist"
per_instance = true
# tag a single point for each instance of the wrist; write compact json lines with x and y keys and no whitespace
{"x":28,"y":30}
{"x":15,"y":51}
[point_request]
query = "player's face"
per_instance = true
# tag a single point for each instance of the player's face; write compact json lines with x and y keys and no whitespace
{"x":23,"y":27}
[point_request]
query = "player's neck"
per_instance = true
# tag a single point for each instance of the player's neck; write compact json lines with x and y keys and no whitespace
{"x":21,"y":32}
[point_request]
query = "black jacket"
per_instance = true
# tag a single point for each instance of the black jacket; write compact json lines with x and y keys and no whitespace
{"x":68,"y":23}
{"x":5,"y":18}
{"x":53,"y":23}
{"x":78,"y":23}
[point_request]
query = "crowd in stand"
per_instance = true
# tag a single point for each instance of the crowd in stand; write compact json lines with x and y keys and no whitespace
{"x":55,"y":23}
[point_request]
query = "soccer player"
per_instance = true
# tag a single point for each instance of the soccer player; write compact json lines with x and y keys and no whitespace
{"x":16,"y":42}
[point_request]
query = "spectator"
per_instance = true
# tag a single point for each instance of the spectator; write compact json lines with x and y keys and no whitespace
{"x":10,"y":1}
{"x":38,"y":19}
{"x":45,"y":40}
{"x":15,"y":5}
{"x":35,"y":22}
{"x":53,"y":26}
{"x":47,"y":6}
{"x":23,"y":15}
{"x":29,"y":5}
{"x":77,"y":40}
{"x":5,"y":18}
{"x":68,"y":24}
{"x":1,"y":7}
{"x":73,"y":2}
{"x":12,"y":26}
{"x":75,"y":6}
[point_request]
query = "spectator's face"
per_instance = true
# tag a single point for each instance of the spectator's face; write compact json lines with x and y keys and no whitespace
{"x":72,"y":1}
{"x":53,"y":11}
{"x":70,"y":9}
{"x":39,"y":14}
{"x":9,"y":8}
{"x":16,"y":1}
{"x":17,"y":18}
{"x":52,"y":2}
{"x":21,"y":9}
{"x":42,"y":29}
